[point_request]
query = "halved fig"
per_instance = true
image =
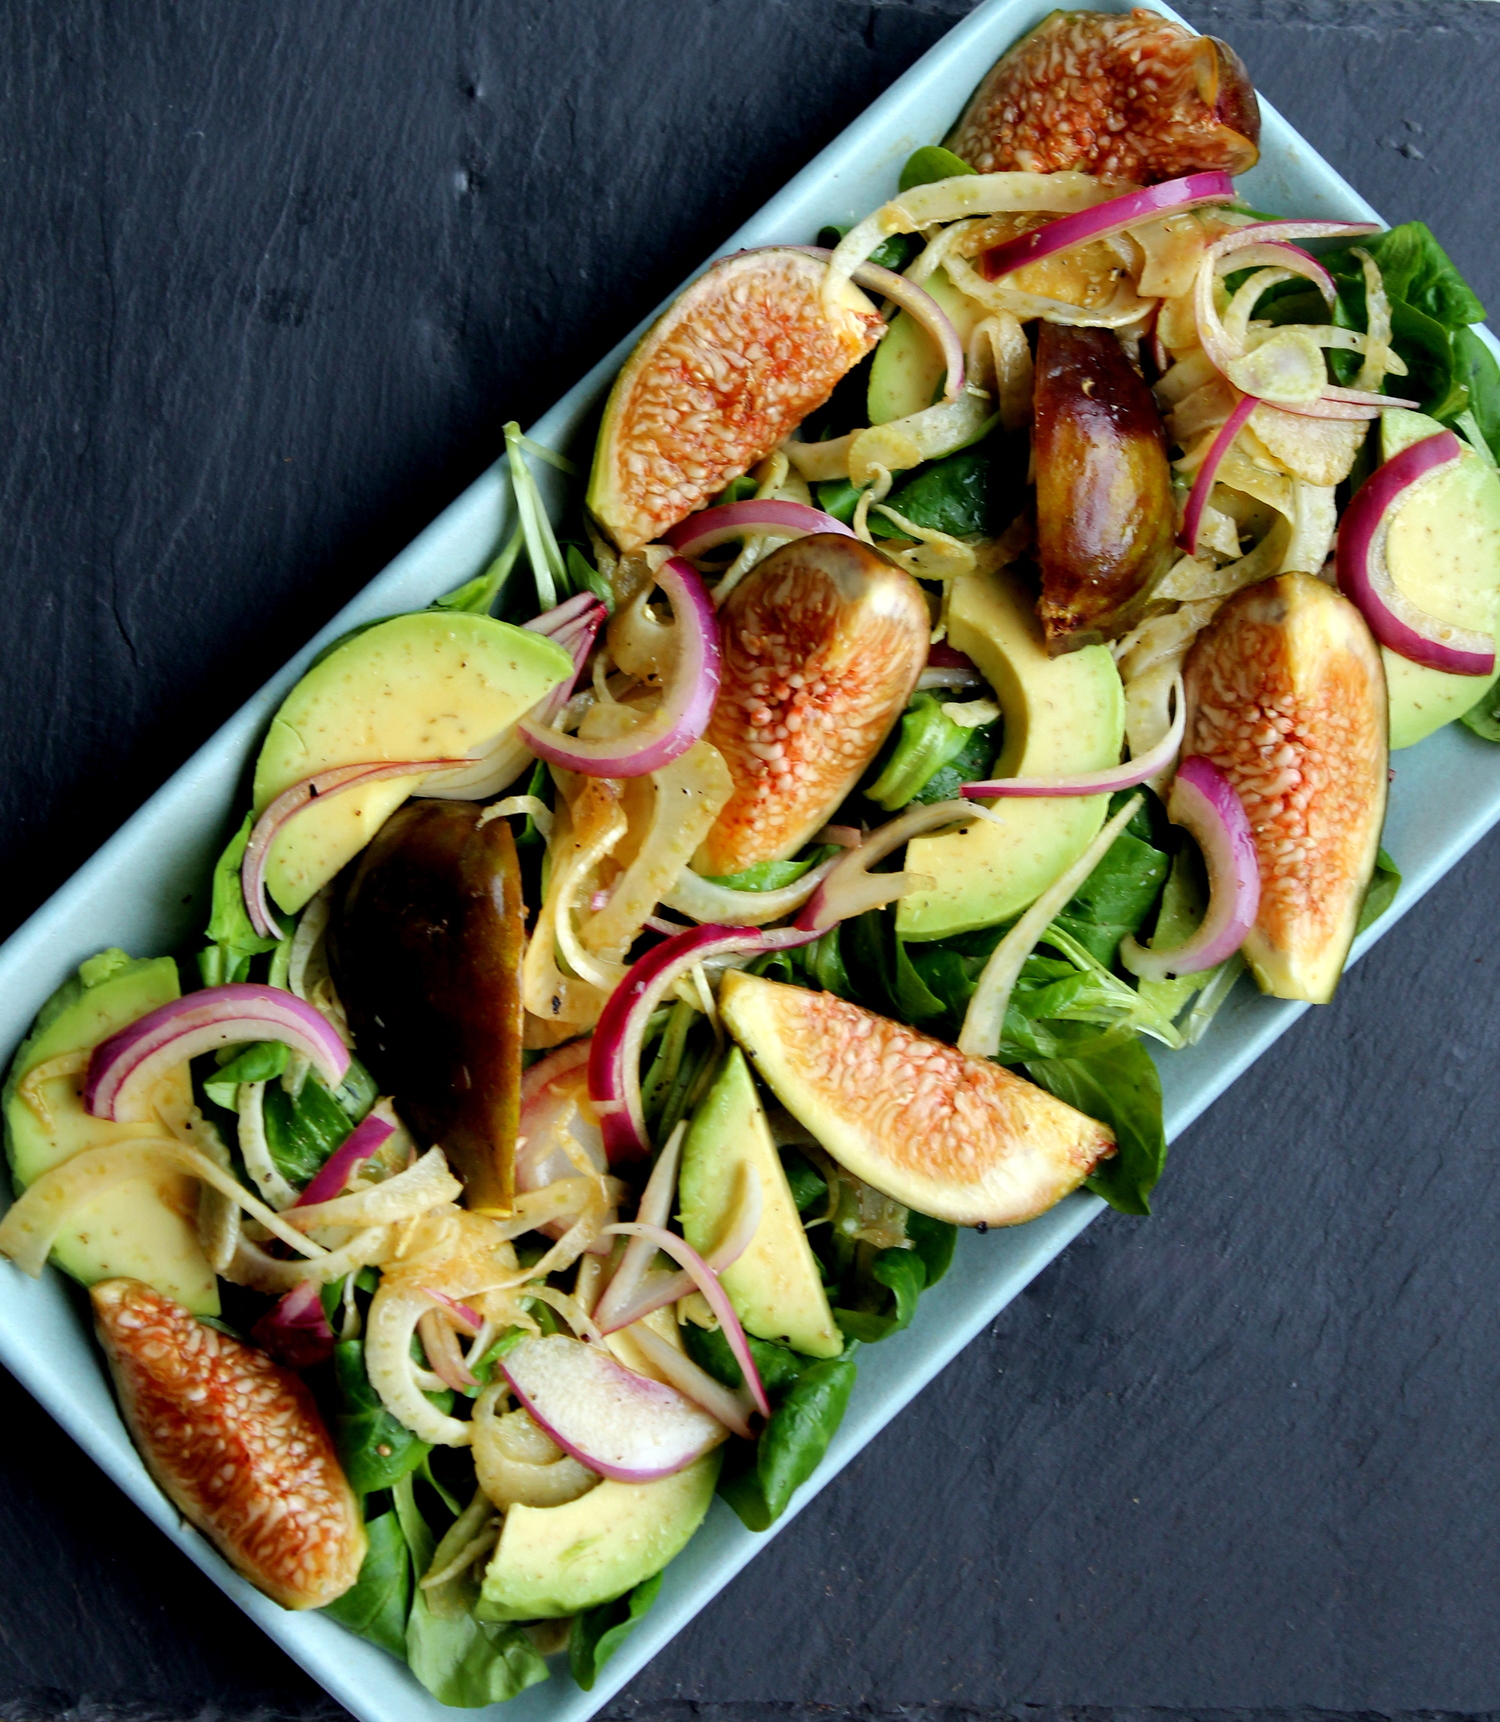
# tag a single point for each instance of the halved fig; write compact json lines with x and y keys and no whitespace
{"x":426,"y":947}
{"x":1105,"y":515}
{"x":955,"y":1137}
{"x":1286,"y":695}
{"x":822,"y":646}
{"x":1128,"y":96}
{"x":739,"y":358}
{"x":236,"y":1443}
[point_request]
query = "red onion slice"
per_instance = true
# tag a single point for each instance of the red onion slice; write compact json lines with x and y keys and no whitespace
{"x":1203,"y":483}
{"x":329,"y":1180}
{"x":1365,"y":576}
{"x":700,"y":533}
{"x":573,"y":609}
{"x":851,"y":888}
{"x":707,"y":1281}
{"x":291,"y":802}
{"x":126,"y":1068}
{"x":1203,"y":802}
{"x":686,"y":701}
{"x":295,"y":1330}
{"x":1139,"y":770}
{"x":615,"y":1051}
{"x":1104,"y":220}
{"x":1279,"y":254}
{"x":465,"y":1314}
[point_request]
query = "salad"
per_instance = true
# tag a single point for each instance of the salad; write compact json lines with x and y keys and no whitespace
{"x":973,"y":643}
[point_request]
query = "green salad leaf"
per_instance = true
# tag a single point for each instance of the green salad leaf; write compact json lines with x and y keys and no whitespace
{"x":233,"y":942}
{"x":261,"y":1061}
{"x":1380,"y":893}
{"x":599,"y":1632}
{"x":1119,"y":1086}
{"x":759,"y":1484}
{"x":931,"y":163}
{"x":468,"y":1663}
{"x":932,"y":755}
{"x":376,"y":1606}
{"x":376,"y":1450}
{"x":1483,"y":717}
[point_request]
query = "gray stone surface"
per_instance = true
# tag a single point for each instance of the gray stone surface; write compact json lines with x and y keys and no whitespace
{"x":271,"y":278}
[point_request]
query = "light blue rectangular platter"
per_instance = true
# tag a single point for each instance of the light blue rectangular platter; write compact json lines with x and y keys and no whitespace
{"x":1445,"y":797}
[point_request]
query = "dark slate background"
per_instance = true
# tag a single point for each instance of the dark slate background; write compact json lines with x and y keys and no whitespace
{"x":272,"y":275}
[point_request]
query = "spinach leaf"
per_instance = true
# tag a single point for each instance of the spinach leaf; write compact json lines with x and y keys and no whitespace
{"x":1119,"y":1086}
{"x":931,"y":163}
{"x":1483,"y":717}
{"x":901,"y":1272}
{"x":916,"y":1000}
{"x":927,"y":741}
{"x":1385,"y":882}
{"x":792,"y":1444}
{"x":468,"y":1663}
{"x":1415,"y":268}
{"x":952,"y":495}
{"x":772,"y":875}
{"x":1117,"y":897}
{"x":261,"y":1061}
{"x":893,"y":253}
{"x":301,"y":1133}
{"x":1476,"y":366}
{"x":377,"y":1605}
{"x":375,"y":1449}
{"x":840,"y":497}
{"x":599,"y":1632}
{"x":933,"y":1240}
{"x":971,"y":762}
{"x":777,"y":1365}
{"x":232,"y":939}
{"x":808,"y":1186}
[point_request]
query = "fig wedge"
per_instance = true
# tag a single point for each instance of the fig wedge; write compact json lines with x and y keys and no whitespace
{"x":426,"y":948}
{"x":1286,"y":695}
{"x":822,"y":646}
{"x":236,"y":1443}
{"x":955,"y":1137}
{"x":738,"y":359}
{"x":1106,"y":518}
{"x":1127,"y":96}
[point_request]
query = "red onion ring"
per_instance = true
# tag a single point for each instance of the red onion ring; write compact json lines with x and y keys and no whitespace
{"x":572,"y":609}
{"x":1104,"y":220}
{"x":329,"y":1180}
{"x":702,"y":532}
{"x":851,"y":888}
{"x":291,"y":802}
{"x":1365,"y":577}
{"x":1277,"y":254}
{"x":1204,"y":803}
{"x":1138,"y":770}
{"x":1203,"y":483}
{"x":295,"y":1330}
{"x":125,"y":1068}
{"x":686,"y":702}
{"x":463,"y":1312}
{"x":615,"y":1050}
{"x":707,"y":1281}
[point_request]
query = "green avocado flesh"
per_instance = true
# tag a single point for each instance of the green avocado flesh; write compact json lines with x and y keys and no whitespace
{"x":557,"y":1561}
{"x":145,"y":1228}
{"x":1062,"y":716}
{"x":775,"y":1286}
{"x":435,"y":685}
{"x":907,"y":373}
{"x":1444,"y":554}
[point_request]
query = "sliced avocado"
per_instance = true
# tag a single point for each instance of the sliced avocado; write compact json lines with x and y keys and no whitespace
{"x":435,"y":685}
{"x":1062,"y":715}
{"x":1444,"y":554}
{"x":144,"y":1229}
{"x":907,"y":373}
{"x":557,"y":1561}
{"x":775,"y":1287}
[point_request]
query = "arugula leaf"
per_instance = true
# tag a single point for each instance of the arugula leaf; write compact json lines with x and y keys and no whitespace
{"x":931,"y":163}
{"x":599,"y":1632}
{"x":1120,"y":1087}
{"x":376,"y":1606}
{"x":1380,"y":893}
{"x":791,"y":1445}
{"x":375,"y":1449}
{"x":232,"y":939}
{"x":468,"y":1663}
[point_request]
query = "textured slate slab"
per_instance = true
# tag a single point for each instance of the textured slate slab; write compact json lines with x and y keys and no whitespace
{"x":272,"y":276}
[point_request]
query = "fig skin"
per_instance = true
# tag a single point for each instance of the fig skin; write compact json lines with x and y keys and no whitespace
{"x":1286,"y":695}
{"x":735,"y":362}
{"x":426,"y":947}
{"x":822,"y":646}
{"x":1126,"y":96}
{"x":236,"y":1443}
{"x":1106,"y":516}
